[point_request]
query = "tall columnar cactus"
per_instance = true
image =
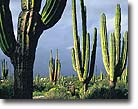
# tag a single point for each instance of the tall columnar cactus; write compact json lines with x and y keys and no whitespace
{"x":82,"y":62}
{"x":54,"y":68}
{"x":31,"y":24}
{"x":4,"y":69}
{"x":101,"y":76}
{"x":114,"y":60}
{"x":124,"y":76}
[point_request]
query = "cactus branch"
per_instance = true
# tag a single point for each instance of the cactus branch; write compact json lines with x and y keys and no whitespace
{"x":104,"y":43}
{"x":7,"y":38}
{"x":52,"y":12}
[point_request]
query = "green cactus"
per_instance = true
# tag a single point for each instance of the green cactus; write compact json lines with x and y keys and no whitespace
{"x":4,"y":69}
{"x":94,"y":78}
{"x":124,"y":76}
{"x":54,"y":68}
{"x":82,"y":62}
{"x":115,"y":61}
{"x":37,"y":79}
{"x":31,"y":25}
{"x":101,"y":76}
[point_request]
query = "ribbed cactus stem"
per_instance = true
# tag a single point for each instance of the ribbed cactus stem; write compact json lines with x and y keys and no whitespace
{"x":87,"y":57}
{"x":93,"y":54}
{"x":124,"y":52}
{"x":101,"y":76}
{"x":51,"y":66}
{"x":52,"y":12}
{"x":84,"y":30}
{"x":117,"y":31}
{"x":112,"y":56}
{"x":104,"y":42}
{"x":7,"y":38}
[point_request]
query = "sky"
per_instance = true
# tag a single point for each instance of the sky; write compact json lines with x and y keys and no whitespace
{"x":60,"y":36}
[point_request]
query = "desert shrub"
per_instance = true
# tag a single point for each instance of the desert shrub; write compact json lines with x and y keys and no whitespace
{"x":101,"y":90}
{"x":6,"y":89}
{"x":58,"y":93}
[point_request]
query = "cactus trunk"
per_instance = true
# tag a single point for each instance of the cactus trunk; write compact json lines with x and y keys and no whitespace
{"x":23,"y":70}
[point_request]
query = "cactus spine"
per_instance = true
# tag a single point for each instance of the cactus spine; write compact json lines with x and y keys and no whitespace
{"x":54,"y":68}
{"x":115,"y":61}
{"x":82,"y":63}
{"x":4,"y":69}
{"x":31,"y":24}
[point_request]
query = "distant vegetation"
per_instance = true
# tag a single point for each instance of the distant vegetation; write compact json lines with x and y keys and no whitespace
{"x":69,"y":87}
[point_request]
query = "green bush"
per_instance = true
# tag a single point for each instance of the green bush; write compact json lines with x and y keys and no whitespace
{"x":6,"y":89}
{"x":58,"y":93}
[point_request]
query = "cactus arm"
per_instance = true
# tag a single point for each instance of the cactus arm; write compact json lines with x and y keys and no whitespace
{"x":112,"y":57}
{"x":87,"y":57}
{"x":51,"y":66}
{"x":56,"y":70}
{"x":84,"y":30}
{"x":124,"y":52}
{"x":56,"y":66}
{"x":93,"y":54}
{"x":2,"y":68}
{"x":7,"y":38}
{"x":101,"y":76}
{"x":52,"y":12}
{"x":73,"y":59}
{"x":59,"y":68}
{"x":117,"y":31}
{"x":76,"y":41}
{"x":104,"y":42}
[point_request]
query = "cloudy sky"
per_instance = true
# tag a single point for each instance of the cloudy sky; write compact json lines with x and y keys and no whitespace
{"x":60,"y":36}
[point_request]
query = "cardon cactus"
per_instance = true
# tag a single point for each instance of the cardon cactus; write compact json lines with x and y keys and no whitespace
{"x":4,"y":69}
{"x":82,"y":62}
{"x":54,"y":68}
{"x":101,"y":76}
{"x":114,"y":60}
{"x":124,"y":76}
{"x":31,"y":25}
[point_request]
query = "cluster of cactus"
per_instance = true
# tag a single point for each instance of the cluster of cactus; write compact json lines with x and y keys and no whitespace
{"x":31,"y":24}
{"x":4,"y":69}
{"x":115,"y":61}
{"x":54,"y":68}
{"x":82,"y":63}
